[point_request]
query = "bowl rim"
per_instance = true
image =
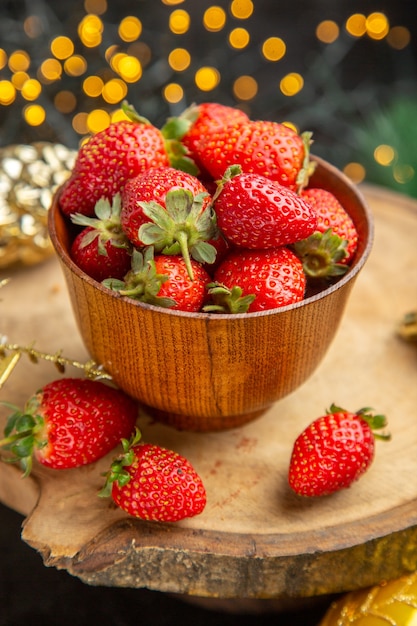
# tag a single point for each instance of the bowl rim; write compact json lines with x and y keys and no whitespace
{"x":357,"y":265}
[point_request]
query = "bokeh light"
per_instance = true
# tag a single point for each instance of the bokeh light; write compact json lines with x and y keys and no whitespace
{"x":291,"y":84}
{"x":179,"y":21}
{"x":327,"y":31}
{"x":377,"y":25}
{"x":214,"y":18}
{"x":130,"y":28}
{"x":241,"y":9}
{"x":239,"y":38}
{"x":207,"y":78}
{"x":179,"y":59}
{"x":245,"y":88}
{"x":274,"y":48}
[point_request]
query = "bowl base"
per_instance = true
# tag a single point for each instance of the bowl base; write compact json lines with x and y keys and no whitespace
{"x":202,"y":424}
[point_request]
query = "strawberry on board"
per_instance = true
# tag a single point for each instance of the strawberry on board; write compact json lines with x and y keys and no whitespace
{"x":163,"y":280}
{"x":330,"y":250}
{"x":154,"y":483}
{"x":68,"y":423}
{"x":101,"y":249}
{"x":256,"y":212}
{"x":264,"y":147}
{"x":275,"y":277}
{"x":108,"y":159}
{"x":170,"y":210}
{"x":334,"y":451}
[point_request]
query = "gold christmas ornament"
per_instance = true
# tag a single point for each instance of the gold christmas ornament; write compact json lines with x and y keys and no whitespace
{"x":29,"y":176}
{"x":390,"y":604}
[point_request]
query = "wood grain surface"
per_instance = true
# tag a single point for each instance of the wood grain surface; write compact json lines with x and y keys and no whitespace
{"x":255,"y":539}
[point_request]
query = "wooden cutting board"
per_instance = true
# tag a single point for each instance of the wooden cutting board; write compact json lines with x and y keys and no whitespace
{"x":255,"y":539}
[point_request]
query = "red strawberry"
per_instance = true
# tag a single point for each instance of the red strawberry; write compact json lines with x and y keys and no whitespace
{"x":329,"y":251}
{"x":170,"y":210}
{"x":68,"y":423}
{"x":164,"y":281}
{"x":154,"y":483}
{"x":275,"y":277}
{"x":108,"y":159}
{"x":101,"y":249}
{"x":256,"y":212}
{"x":260,"y":147}
{"x":334,"y":451}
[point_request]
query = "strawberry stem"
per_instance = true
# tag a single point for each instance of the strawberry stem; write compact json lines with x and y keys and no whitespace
{"x":117,"y":473}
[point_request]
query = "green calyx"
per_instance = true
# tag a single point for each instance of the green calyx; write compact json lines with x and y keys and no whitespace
{"x":321,"y":254}
{"x":183,"y":227}
{"x":106,"y":225}
{"x":174,"y":129}
{"x":117,"y":472}
{"x":225,"y":300}
{"x":231,"y":172}
{"x":376,"y":421}
{"x":142,"y":282}
{"x":308,"y":166}
{"x":22,"y":433}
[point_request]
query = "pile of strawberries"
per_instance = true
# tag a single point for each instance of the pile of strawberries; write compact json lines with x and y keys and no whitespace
{"x":213,"y":212}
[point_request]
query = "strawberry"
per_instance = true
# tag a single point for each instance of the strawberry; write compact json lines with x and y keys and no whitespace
{"x":334,"y":451}
{"x":170,"y":210}
{"x":163,"y":281}
{"x":330,"y":250}
{"x":108,"y":159}
{"x":275,"y":277}
{"x":154,"y":483}
{"x":101,"y":249}
{"x":68,"y":423}
{"x":260,"y":147}
{"x":256,"y":212}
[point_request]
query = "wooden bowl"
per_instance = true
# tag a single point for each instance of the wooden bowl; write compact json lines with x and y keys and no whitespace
{"x":205,"y":371}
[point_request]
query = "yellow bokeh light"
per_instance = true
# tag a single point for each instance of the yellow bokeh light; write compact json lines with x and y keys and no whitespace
{"x":214,"y":18}
{"x":62,"y":47}
{"x":356,"y":25}
{"x":34,"y":114}
{"x":245,"y":88}
{"x":172,"y":2}
{"x":31,"y":89}
{"x":79,"y":123}
{"x":207,"y":78}
{"x":3,"y":58}
{"x":355,"y":171}
{"x":75,"y":66}
{"x":118,"y":115}
{"x":93,"y":86}
{"x":241,"y":9}
{"x":114,"y":91}
{"x":90,"y":31}
{"x":384,"y":154}
{"x":7,"y":92}
{"x":399,"y":37}
{"x":65,"y":101}
{"x":327,"y":31}
{"x":274,"y":48}
{"x":19,"y":78}
{"x":377,"y":25}
{"x":179,"y":59}
{"x":239,"y":38}
{"x":130,"y":28}
{"x":97,"y":120}
{"x":179,"y":22}
{"x":95,"y":6}
{"x":403,"y":173}
{"x":129,"y":68}
{"x":173,"y":93}
{"x":291,"y":84}
{"x":50,"y":70}
{"x":33,"y":26}
{"x":19,"y":61}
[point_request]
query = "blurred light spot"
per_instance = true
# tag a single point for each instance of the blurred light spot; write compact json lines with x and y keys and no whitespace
{"x":377,"y":25}
{"x":399,"y":37}
{"x":130,"y":28}
{"x":114,"y":91}
{"x":3,"y":58}
{"x":172,"y":2}
{"x":19,"y":61}
{"x":241,"y":9}
{"x":179,"y":59}
{"x":75,"y":66}
{"x":327,"y":31}
{"x":179,"y":22}
{"x":207,"y":78}
{"x":19,"y":78}
{"x":95,"y":6}
{"x":79,"y":123}
{"x":33,"y":26}
{"x":34,"y":114}
{"x":97,"y":120}
{"x":118,"y":115}
{"x":239,"y":38}
{"x":355,"y":171}
{"x":384,"y":154}
{"x":141,"y":51}
{"x":173,"y":93}
{"x":245,"y":88}
{"x":92,"y":86}
{"x":214,"y":18}
{"x":291,"y":125}
{"x":62,"y":47}
{"x":31,"y":89}
{"x":356,"y":25}
{"x":403,"y":173}
{"x":291,"y":84}
{"x":7,"y":92}
{"x":274,"y":48}
{"x":50,"y":70}
{"x":90,"y":30}
{"x":129,"y":68}
{"x":65,"y":101}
